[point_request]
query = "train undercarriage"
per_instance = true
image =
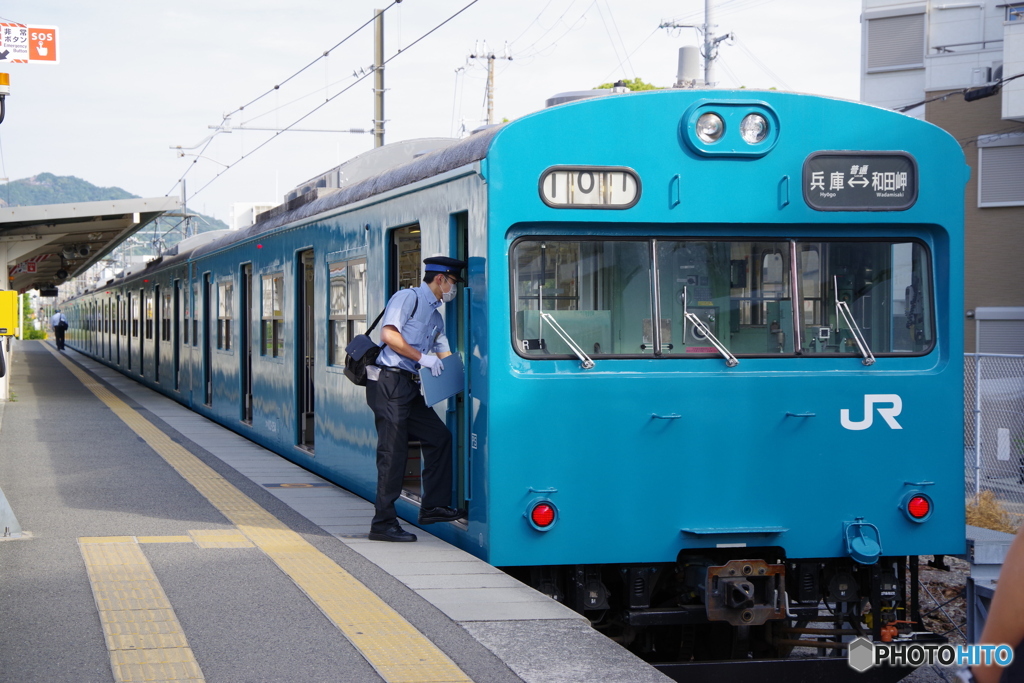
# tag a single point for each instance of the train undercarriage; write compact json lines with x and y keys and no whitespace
{"x":726,"y":607}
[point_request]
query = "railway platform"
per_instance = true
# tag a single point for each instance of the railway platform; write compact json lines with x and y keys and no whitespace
{"x":156,"y":545}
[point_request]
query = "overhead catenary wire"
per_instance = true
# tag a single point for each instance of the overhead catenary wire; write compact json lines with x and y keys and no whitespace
{"x":330,"y":99}
{"x":615,"y":47}
{"x":525,"y":52}
{"x":277,"y":87}
{"x":326,"y":53}
{"x":760,"y":64}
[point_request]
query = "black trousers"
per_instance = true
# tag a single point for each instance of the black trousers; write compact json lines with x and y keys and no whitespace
{"x":58,"y":336}
{"x":400,"y":413}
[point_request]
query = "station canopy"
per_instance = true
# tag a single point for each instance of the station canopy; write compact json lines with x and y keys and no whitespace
{"x":50,"y":244}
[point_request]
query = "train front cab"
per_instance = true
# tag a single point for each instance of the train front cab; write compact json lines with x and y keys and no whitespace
{"x":680,"y":451}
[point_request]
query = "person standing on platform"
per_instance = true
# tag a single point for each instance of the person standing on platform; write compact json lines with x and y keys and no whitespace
{"x":412,"y":327}
{"x":60,"y":323}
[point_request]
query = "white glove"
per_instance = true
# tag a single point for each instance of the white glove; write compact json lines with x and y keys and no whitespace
{"x":434,"y":363}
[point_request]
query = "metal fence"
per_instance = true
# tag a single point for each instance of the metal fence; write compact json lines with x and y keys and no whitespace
{"x":994,"y":429}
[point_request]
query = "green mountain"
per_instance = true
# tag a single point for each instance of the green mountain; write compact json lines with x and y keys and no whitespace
{"x":47,"y":188}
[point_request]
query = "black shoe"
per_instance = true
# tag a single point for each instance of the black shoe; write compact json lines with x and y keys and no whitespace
{"x":395,"y":533}
{"x":440,"y":514}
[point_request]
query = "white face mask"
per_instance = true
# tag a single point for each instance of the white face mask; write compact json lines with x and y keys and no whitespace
{"x":449,"y":296}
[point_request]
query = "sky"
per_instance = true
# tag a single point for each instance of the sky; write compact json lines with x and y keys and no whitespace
{"x":136,"y":79}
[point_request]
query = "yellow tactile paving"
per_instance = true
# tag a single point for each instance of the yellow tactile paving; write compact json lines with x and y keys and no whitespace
{"x":164,"y":539}
{"x":143,"y":636}
{"x":220,"y":538}
{"x":395,"y":649}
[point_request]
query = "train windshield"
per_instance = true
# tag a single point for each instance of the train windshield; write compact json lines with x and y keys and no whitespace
{"x":605,"y":294}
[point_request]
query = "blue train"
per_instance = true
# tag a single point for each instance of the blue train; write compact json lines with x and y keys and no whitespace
{"x":713,"y":352}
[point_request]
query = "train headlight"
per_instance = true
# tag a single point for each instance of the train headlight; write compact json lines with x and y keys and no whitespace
{"x":542,"y":514}
{"x":754,"y":128}
{"x":710,"y":127}
{"x":729,"y":128}
{"x":917,"y":506}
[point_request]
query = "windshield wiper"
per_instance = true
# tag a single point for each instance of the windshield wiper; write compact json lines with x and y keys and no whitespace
{"x":730,"y":360}
{"x":843,"y":309}
{"x":570,"y":342}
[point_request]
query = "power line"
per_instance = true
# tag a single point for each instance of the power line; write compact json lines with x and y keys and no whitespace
{"x":330,"y":99}
{"x":324,"y":55}
{"x":969,"y":94}
{"x":278,"y":87}
{"x":759,"y":63}
{"x":569,"y":28}
{"x":612,"y":40}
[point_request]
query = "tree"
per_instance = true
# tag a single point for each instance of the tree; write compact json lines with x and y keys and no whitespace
{"x":29,"y":331}
{"x":633,"y":84}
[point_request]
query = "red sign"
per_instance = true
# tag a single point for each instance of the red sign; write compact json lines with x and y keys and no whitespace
{"x":24,"y":44}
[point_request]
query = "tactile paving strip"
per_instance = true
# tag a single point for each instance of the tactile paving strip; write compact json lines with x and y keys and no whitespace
{"x":144,"y":638}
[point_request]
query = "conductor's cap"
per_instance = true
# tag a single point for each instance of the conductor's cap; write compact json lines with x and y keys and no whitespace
{"x":451,"y":267}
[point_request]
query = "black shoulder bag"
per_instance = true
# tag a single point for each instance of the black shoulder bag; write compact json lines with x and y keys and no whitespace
{"x":360,"y":352}
{"x":363,"y":351}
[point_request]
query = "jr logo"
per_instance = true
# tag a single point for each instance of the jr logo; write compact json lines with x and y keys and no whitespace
{"x":888,"y":414}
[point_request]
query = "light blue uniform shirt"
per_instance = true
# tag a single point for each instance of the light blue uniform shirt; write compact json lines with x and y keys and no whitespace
{"x":424,"y":331}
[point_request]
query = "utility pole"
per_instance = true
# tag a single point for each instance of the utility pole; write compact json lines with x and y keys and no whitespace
{"x":711,"y":41}
{"x":378,"y":78}
{"x":491,"y":57}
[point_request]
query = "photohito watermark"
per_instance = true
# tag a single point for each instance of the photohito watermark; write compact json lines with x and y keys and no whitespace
{"x":864,"y":654}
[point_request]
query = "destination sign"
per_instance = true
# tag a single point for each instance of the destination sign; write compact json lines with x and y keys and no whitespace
{"x":860,"y":181}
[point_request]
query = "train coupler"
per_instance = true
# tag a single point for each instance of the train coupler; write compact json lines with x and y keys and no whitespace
{"x":746,"y":592}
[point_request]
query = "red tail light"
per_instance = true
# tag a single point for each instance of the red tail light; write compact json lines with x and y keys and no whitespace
{"x":542,"y":515}
{"x":919,"y":507}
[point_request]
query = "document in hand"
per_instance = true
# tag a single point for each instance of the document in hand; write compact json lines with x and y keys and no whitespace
{"x":450,"y":382}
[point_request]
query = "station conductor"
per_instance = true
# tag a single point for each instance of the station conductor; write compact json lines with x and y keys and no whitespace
{"x":412,"y":328}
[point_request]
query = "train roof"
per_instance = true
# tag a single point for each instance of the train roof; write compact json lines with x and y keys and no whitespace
{"x":473,"y":148}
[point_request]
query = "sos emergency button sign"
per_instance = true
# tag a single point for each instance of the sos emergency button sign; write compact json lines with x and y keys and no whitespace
{"x":27,"y":44}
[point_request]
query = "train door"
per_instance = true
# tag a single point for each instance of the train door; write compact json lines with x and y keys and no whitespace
{"x":176,"y":334}
{"x":110,"y":321}
{"x":306,"y":347}
{"x":404,"y":266}
{"x":458,"y":332}
{"x":144,"y":321}
{"x":207,"y":355}
{"x":133,"y":326}
{"x":119,"y":329}
{"x":157,"y":325}
{"x":245,"y":338}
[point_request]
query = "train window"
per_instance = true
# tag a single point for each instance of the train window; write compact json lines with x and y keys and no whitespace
{"x":273,"y":315}
{"x":734,"y":293}
{"x":348,"y":305}
{"x":887,"y":286}
{"x":738,"y":290}
{"x":149,"y":314}
{"x":598,"y":292}
{"x":405,"y":258}
{"x":225,"y":291}
{"x":165,"y":317}
{"x":195,"y":314}
{"x":187,"y":313}
{"x":135,"y":315}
